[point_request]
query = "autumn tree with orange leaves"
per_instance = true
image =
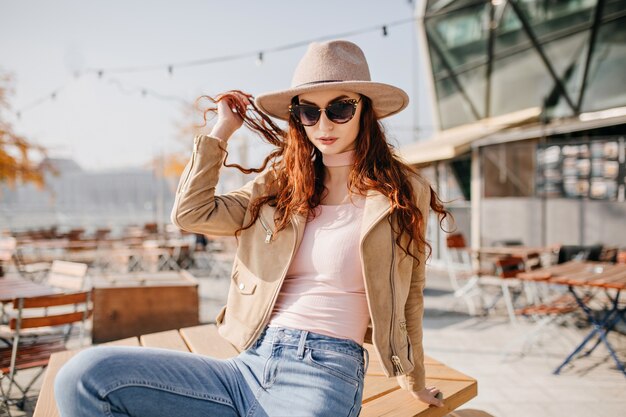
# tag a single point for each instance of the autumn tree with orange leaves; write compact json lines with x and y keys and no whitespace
{"x":17,"y":164}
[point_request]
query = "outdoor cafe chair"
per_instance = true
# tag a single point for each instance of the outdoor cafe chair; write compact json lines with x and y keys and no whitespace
{"x":463,"y":277}
{"x":556,"y":307}
{"x":504,"y":279}
{"x":27,"y":349}
{"x":547,"y":316}
{"x":579,"y":252}
{"x":67,"y":275}
{"x":10,"y":253}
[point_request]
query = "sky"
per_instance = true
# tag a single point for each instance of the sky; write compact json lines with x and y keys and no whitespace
{"x":106,"y":123}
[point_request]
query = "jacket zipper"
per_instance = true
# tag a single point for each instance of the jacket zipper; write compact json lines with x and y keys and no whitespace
{"x":275,"y":295}
{"x":268,"y":231}
{"x":394,"y":357}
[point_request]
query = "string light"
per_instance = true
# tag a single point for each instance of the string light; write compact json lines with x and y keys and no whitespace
{"x":170,"y":68}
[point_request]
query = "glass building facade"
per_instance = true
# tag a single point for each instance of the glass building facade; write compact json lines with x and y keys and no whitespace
{"x":490,"y":58}
{"x":561,"y":177}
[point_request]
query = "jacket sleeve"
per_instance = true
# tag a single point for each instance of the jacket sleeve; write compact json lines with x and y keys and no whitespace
{"x":196,"y":207}
{"x":414,"y":309}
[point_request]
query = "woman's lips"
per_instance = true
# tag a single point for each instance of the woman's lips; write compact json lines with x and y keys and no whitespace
{"x":327,"y":140}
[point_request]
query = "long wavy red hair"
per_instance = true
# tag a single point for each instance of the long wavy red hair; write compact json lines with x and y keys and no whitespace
{"x":299,"y":173}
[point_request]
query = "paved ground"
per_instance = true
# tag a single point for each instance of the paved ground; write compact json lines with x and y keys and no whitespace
{"x":512,"y":385}
{"x":509,"y":385}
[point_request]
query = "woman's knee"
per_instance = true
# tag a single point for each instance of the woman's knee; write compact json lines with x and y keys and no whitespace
{"x":89,"y":372}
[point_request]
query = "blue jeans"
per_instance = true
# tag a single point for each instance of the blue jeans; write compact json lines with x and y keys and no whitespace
{"x":285,"y":373}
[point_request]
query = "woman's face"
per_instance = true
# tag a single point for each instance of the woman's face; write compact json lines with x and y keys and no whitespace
{"x":328,"y":137}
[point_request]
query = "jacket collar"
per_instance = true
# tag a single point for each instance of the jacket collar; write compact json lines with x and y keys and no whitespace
{"x":376,"y":206}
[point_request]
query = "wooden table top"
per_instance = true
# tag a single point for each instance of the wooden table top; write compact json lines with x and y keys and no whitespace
{"x":578,"y":273}
{"x":381,"y":395}
{"x":12,"y":287}
{"x":522,"y":251}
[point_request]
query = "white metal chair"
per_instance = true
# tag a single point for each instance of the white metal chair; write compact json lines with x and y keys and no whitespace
{"x":463,"y":277}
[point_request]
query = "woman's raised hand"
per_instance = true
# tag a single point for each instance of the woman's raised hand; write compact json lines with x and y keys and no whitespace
{"x":228,"y":117}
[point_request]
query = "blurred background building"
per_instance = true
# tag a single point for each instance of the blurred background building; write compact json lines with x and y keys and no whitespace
{"x":530,"y":97}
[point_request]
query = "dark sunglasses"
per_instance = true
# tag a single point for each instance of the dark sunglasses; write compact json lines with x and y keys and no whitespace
{"x":338,"y":112}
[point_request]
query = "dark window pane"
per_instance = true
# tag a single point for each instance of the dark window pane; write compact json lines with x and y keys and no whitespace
{"x":567,"y":56}
{"x":458,"y":107}
{"x":519,"y":81}
{"x":549,"y":16}
{"x":454,"y":110}
{"x":439,"y":6}
{"x":461,"y":35}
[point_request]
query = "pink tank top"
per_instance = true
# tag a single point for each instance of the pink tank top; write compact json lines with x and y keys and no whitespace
{"x":324,"y":291}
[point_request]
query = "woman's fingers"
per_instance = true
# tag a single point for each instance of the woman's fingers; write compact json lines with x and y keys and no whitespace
{"x":429,"y":396}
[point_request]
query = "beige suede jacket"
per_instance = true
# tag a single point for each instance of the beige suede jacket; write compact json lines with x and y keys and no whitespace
{"x":394,"y":282}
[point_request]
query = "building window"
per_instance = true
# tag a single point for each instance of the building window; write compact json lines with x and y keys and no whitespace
{"x":590,"y":167}
{"x":509,"y":169}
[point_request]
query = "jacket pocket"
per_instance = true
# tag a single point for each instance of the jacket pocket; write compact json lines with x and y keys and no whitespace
{"x":244,"y":283}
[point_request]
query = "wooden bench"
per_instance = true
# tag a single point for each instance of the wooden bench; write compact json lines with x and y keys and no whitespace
{"x":381,"y":397}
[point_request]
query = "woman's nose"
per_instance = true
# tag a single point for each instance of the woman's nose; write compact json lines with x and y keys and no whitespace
{"x":325,"y":123}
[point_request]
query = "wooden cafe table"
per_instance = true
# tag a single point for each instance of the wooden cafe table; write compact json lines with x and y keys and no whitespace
{"x":526,"y":253}
{"x":12,"y":287}
{"x":381,"y":395}
{"x":578,"y":276}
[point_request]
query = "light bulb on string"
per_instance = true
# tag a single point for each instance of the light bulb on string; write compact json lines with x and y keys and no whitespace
{"x":259,"y":59}
{"x":384,"y":30}
{"x":170,"y":70}
{"x":100,"y":73}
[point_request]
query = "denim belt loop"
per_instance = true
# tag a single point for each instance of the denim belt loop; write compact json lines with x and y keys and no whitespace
{"x":303,"y":337}
{"x":367,"y":360}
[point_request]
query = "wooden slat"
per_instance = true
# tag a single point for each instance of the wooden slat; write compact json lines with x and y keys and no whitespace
{"x":46,"y":405}
{"x":443,"y":372}
{"x":375,"y":367}
{"x":56,"y":320}
{"x":129,"y":341}
{"x":169,"y":339}
{"x":205,"y":340}
{"x":53,"y":300}
{"x":377,"y":386}
{"x":400,"y":403}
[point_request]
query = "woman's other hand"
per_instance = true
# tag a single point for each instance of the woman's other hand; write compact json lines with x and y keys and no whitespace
{"x":428,"y":396}
{"x":228,"y":118}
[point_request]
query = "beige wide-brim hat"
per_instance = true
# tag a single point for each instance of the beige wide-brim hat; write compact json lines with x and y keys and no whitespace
{"x":334,"y":65}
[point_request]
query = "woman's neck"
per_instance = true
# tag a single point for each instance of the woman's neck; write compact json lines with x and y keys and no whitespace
{"x":339,"y":159}
{"x":338,"y":167}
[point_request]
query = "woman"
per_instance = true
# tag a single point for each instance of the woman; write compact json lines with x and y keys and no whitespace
{"x":331,"y":238}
